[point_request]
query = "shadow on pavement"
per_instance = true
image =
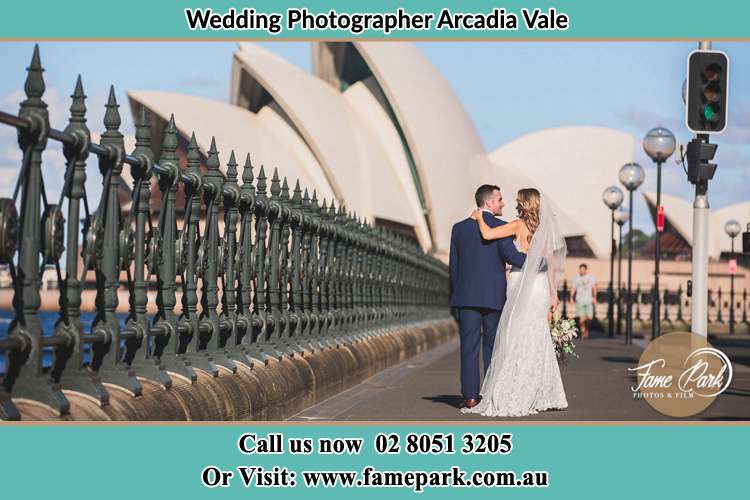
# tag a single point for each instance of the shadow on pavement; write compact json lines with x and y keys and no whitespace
{"x":450,"y":400}
{"x":724,"y":418}
{"x":738,"y":392}
{"x":620,"y":359}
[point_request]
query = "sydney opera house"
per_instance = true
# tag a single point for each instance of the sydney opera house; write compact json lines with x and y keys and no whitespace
{"x":378,"y":128}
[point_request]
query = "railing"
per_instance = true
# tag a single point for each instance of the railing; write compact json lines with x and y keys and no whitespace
{"x":675,"y":307}
{"x":299,"y":275}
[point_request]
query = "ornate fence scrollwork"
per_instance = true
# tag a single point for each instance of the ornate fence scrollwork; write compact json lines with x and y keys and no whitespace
{"x":280,"y":274}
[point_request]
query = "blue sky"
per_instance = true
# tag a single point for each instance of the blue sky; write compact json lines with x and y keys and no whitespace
{"x":509,"y":89}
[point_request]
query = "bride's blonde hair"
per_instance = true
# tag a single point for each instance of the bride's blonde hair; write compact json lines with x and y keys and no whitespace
{"x":528,"y":209}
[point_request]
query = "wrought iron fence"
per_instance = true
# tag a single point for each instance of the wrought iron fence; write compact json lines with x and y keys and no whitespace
{"x":286,"y":274}
{"x":675,"y":308}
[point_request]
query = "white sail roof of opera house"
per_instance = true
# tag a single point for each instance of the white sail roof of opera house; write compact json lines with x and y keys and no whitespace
{"x":679,"y":213}
{"x":399,"y":180}
{"x":237,"y":129}
{"x":344,"y":140}
{"x":378,"y":127}
{"x":449,"y":160}
{"x":572,"y":166}
{"x":511,"y":181}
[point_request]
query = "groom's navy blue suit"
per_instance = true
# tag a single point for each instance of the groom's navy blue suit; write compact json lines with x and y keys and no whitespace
{"x":478,"y":285}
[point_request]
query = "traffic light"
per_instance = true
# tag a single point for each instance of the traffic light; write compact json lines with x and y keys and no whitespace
{"x":699,"y":156}
{"x":707,"y":86}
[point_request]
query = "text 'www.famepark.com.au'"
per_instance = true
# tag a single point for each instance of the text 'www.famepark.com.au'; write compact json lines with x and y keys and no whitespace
{"x":369,"y":477}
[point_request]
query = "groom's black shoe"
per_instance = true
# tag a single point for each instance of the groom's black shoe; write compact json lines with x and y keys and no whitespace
{"x":470,"y":403}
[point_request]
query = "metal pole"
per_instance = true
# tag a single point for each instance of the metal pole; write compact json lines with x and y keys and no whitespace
{"x":655,"y":324}
{"x":629,"y":328}
{"x":731,"y":295}
{"x":619,"y":283}
{"x":699,"y":306}
{"x":611,"y":307}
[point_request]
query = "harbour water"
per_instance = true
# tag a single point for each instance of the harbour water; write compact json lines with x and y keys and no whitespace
{"x":48,"y":320}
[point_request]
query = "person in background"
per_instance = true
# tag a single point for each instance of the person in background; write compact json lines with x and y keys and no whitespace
{"x":583,"y":294}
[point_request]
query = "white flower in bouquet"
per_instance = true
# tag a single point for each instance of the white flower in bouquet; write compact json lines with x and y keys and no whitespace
{"x":563,"y":331}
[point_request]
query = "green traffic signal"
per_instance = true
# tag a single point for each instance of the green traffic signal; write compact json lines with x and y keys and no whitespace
{"x":710,"y":114}
{"x":706,"y":102}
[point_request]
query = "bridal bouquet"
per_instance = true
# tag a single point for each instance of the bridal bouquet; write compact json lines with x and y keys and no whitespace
{"x":563,"y":332}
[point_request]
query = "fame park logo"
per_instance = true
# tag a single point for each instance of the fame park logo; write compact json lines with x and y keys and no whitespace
{"x":679,"y":374}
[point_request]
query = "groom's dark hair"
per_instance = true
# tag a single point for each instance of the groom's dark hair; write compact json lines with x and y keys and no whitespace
{"x":483,"y":192}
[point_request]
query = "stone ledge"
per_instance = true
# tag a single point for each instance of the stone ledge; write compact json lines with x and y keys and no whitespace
{"x":274,"y":391}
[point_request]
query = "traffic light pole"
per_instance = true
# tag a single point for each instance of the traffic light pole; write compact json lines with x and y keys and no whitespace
{"x":700,"y":171}
{"x":699,"y":306}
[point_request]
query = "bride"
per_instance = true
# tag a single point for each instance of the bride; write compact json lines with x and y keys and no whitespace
{"x":523,"y":377}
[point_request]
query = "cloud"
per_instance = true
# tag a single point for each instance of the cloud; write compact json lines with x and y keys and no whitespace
{"x":645,"y":119}
{"x":13,"y":99}
{"x":200,"y":81}
{"x":739,"y":115}
{"x":732,"y":156}
{"x":53,"y":160}
{"x":736,"y":135}
{"x":737,"y":131}
{"x":8,"y":177}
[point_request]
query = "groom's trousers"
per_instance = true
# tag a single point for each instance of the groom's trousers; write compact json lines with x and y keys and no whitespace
{"x":475,"y":324}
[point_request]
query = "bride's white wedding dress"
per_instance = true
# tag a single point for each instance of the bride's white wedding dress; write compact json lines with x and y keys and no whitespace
{"x":523,"y":377}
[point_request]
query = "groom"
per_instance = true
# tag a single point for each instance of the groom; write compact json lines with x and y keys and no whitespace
{"x":477,"y":269}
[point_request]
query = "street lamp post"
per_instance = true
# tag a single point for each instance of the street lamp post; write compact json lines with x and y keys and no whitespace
{"x":631,"y":176}
{"x":612,"y":197}
{"x":732,"y":228}
{"x":621,"y":217}
{"x":659,"y":145}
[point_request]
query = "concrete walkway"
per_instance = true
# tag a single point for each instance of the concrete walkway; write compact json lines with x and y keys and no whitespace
{"x":597,"y":385}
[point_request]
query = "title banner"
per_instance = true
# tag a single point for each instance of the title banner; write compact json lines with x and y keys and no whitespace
{"x":473,"y":19}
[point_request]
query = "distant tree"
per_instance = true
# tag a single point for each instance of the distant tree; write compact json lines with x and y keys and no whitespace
{"x":640,"y":239}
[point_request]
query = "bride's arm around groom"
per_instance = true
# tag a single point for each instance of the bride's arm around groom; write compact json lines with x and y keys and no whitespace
{"x":494,"y":233}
